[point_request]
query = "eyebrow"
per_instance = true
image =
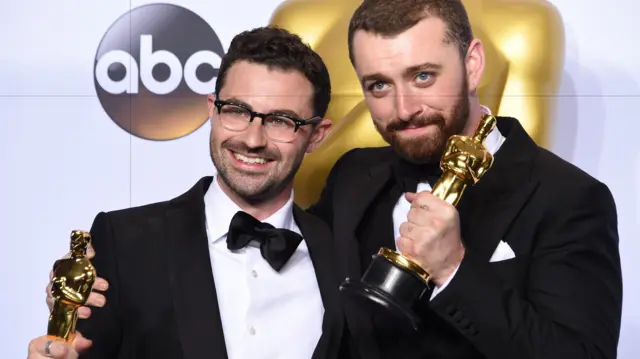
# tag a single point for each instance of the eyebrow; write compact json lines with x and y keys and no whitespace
{"x":409,"y":71}
{"x":288,"y":112}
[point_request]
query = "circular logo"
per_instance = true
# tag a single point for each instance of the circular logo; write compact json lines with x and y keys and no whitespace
{"x":153,"y":68}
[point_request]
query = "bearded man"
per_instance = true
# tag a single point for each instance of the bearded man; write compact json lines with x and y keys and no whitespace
{"x":526,"y":266}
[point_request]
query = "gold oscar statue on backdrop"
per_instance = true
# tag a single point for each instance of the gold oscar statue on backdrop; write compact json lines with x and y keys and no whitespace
{"x":394,"y":282}
{"x":71,"y":285}
{"x":524,"y":48}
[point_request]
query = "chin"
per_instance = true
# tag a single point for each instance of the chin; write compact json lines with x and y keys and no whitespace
{"x":425,"y":149}
{"x":246,"y":191}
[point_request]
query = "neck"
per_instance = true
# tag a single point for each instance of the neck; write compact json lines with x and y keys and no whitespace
{"x":261,"y":209}
{"x":475,"y":114}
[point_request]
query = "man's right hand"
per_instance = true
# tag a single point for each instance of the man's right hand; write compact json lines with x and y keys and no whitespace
{"x":95,"y":298}
{"x":40,"y":348}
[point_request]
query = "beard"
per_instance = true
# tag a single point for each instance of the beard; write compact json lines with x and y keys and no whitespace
{"x":254,"y":188}
{"x":428,"y":148}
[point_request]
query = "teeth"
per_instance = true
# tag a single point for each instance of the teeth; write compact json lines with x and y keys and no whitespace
{"x":249,"y":160}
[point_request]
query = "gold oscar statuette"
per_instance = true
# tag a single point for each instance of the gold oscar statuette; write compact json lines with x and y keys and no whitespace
{"x":397,"y":283}
{"x":71,"y":285}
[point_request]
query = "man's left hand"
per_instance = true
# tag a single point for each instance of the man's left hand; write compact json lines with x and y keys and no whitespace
{"x":431,"y":236}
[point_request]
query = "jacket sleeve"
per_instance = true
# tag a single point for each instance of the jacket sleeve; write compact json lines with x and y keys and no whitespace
{"x":572,"y":302}
{"x":103,"y":327}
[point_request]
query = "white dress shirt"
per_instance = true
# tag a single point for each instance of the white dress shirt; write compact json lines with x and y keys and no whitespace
{"x":265,"y":314}
{"x":493,"y":142}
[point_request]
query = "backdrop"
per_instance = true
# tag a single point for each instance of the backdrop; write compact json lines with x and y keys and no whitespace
{"x":67,"y":152}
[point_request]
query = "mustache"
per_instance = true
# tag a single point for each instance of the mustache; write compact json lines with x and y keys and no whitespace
{"x":415,"y":122}
{"x":242,"y":148}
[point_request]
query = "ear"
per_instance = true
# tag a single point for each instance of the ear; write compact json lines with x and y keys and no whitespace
{"x":210,"y":99}
{"x":320,"y":132}
{"x":475,"y":64}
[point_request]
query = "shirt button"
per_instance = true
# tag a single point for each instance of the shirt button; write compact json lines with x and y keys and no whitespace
{"x":252,"y":330}
{"x":254,"y":274}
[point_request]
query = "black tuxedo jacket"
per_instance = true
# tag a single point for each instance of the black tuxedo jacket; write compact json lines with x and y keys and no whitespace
{"x":161,"y":302}
{"x":560,"y":297}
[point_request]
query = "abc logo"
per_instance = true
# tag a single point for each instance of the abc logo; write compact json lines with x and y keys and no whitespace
{"x":153,"y":68}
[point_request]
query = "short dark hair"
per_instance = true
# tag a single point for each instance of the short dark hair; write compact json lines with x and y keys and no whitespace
{"x":279,"y":48}
{"x":392,"y":17}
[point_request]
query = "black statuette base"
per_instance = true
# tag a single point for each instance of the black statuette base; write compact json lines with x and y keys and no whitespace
{"x":388,"y":286}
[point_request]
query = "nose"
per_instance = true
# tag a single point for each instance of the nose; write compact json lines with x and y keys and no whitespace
{"x":407,"y":105}
{"x":254,"y":136}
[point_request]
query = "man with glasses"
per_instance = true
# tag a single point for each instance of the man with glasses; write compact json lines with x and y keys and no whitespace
{"x":232,"y":268}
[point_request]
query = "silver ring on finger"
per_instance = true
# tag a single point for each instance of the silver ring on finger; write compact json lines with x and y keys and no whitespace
{"x":47,"y":348}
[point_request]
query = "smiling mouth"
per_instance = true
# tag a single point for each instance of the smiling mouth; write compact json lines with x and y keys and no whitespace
{"x":249,"y":160}
{"x":416,"y":129}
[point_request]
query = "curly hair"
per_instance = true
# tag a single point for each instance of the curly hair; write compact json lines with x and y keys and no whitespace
{"x":279,"y":48}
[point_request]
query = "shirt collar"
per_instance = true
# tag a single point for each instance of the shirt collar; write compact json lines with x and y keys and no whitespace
{"x":220,"y":209}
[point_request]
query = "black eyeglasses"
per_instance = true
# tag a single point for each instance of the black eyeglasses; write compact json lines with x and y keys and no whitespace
{"x":277,"y":126}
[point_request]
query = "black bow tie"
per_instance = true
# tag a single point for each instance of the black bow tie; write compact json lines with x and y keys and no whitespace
{"x":408,"y":175}
{"x":276,"y":245}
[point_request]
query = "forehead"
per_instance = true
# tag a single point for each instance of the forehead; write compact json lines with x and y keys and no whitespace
{"x":266,"y":89}
{"x":424,"y":42}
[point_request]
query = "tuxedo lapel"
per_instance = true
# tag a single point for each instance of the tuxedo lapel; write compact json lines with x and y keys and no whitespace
{"x":318,"y":238}
{"x":488,"y":208}
{"x":191,"y":276}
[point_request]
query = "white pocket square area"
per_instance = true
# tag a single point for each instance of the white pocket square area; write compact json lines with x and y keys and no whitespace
{"x":502,"y":253}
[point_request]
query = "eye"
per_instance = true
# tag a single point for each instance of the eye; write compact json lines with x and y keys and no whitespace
{"x":376,"y":86}
{"x":423,"y":77}
{"x":234,"y":110}
{"x":279,"y":121}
